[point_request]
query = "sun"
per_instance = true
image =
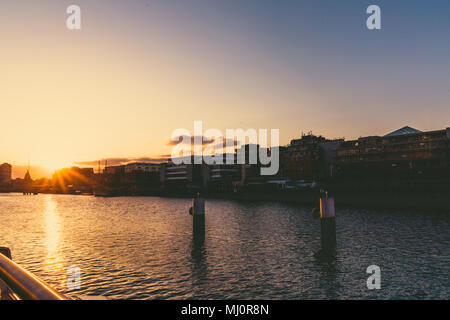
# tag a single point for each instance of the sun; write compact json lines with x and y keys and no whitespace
{"x":56,"y":164}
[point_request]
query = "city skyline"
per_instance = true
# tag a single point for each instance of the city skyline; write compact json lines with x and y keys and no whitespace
{"x":98,"y":165}
{"x":139,"y":70}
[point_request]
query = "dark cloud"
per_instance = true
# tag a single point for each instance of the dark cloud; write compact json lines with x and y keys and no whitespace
{"x":233,"y":142}
{"x":205,"y":140}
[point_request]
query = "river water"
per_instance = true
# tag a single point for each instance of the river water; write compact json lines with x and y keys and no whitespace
{"x":143,"y":248}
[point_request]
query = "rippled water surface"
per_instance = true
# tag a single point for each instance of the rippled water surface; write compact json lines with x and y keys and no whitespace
{"x":143,"y":248}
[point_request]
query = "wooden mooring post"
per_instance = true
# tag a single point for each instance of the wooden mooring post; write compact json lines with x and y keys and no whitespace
{"x":198,"y":216}
{"x":327,"y":227}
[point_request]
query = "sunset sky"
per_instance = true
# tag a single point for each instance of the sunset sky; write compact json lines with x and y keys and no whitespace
{"x":140,"y":69}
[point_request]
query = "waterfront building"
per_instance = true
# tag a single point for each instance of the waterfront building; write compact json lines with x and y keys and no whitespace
{"x":221,"y":176}
{"x":303,"y":158}
{"x":142,"y":167}
{"x":183,"y":176}
{"x":251,"y":172}
{"x":250,"y":178}
{"x":5,"y":177}
{"x":328,"y":156}
{"x":401,"y":159}
{"x":114,"y":170}
{"x":23,"y":185}
{"x":215,"y":176}
{"x":141,"y":178}
{"x":5,"y":172}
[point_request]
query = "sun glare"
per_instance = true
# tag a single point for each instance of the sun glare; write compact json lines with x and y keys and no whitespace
{"x":53,"y":165}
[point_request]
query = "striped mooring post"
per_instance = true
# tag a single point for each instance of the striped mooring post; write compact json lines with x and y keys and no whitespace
{"x":327,"y":225}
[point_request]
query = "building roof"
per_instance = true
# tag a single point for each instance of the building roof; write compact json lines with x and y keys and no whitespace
{"x":403,"y":131}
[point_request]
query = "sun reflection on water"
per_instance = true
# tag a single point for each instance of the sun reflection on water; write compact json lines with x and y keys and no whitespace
{"x":54,"y":260}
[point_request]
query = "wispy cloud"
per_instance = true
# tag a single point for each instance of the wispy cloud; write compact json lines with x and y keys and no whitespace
{"x":123,"y":160}
{"x":117,"y":161}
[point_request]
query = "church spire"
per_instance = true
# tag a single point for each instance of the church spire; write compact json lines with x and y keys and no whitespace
{"x":27,"y":175}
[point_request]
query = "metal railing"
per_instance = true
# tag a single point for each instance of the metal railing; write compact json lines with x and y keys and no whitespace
{"x":22,"y":284}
